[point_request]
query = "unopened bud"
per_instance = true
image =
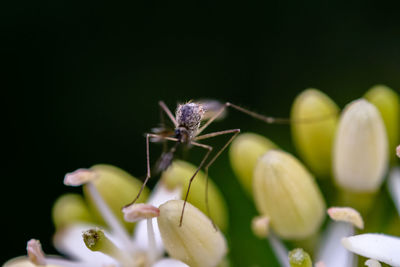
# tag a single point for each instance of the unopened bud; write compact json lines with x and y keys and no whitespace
{"x":117,"y":188}
{"x":360,"y":152}
{"x":260,"y":226}
{"x":196,"y":242}
{"x":299,"y":258}
{"x":388,"y":103}
{"x":137,"y":212}
{"x":314,"y":119}
{"x":398,"y":151}
{"x":179,"y":174}
{"x":70,"y":208}
{"x":244,"y":153}
{"x":286,"y":192}
{"x":346,"y":214}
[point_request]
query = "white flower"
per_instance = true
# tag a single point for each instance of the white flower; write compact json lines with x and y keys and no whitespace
{"x":380,"y":247}
{"x":144,"y":248}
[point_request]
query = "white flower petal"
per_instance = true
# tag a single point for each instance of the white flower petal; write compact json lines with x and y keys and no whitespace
{"x":69,"y":242}
{"x":380,"y":247}
{"x":394,"y":186}
{"x":170,"y":263}
{"x":331,"y":253}
{"x":19,"y":262}
{"x":159,"y":195}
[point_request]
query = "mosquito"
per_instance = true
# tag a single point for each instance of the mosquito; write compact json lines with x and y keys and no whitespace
{"x":187,"y":122}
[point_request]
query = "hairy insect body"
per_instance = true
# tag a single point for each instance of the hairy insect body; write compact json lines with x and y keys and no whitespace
{"x":188,"y":117}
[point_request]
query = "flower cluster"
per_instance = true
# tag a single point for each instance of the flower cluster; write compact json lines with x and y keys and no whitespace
{"x":350,"y":154}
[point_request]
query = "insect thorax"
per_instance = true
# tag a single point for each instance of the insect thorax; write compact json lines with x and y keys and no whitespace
{"x":189,"y":116}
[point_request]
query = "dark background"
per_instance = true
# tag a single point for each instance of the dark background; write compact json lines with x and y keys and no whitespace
{"x":82,"y":83}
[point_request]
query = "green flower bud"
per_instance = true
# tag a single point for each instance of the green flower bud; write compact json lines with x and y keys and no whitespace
{"x":196,"y":242}
{"x":299,"y":258}
{"x":360,"y":152}
{"x":179,"y":174}
{"x":244,"y":153}
{"x":70,"y":208}
{"x":287,"y":193}
{"x":388,"y":103}
{"x":117,"y":188}
{"x":314,"y":119}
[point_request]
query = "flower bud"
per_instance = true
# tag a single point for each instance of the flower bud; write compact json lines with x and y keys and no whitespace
{"x":196,"y":242}
{"x":388,"y":103}
{"x":179,"y":174}
{"x":360,"y":152}
{"x":314,"y":119}
{"x":244,"y":153}
{"x":287,"y":193}
{"x":117,"y":188}
{"x":70,"y":208}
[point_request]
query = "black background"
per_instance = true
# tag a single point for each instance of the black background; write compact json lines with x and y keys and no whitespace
{"x":82,"y":81}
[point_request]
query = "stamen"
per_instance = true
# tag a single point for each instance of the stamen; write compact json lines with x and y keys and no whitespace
{"x":346,"y":214}
{"x":330,"y":252}
{"x":260,"y":226}
{"x":394,"y":186}
{"x":37,"y":256}
{"x":279,"y":250}
{"x":109,"y":217}
{"x":35,"y":252}
{"x":79,"y":177}
{"x":136,"y":212}
{"x":152,"y":252}
{"x":96,"y":240}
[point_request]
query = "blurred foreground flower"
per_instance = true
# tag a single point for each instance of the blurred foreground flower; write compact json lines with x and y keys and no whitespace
{"x":117,"y":247}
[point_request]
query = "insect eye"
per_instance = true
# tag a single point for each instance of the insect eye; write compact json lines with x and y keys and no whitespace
{"x":177,"y":133}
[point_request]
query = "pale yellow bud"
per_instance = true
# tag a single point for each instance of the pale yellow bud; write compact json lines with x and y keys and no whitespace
{"x":314,"y":119}
{"x":196,"y":242}
{"x":179,"y":174}
{"x":117,"y":188}
{"x":388,"y":103}
{"x":244,"y":153}
{"x":70,"y":208}
{"x":287,"y":193}
{"x":360,"y":152}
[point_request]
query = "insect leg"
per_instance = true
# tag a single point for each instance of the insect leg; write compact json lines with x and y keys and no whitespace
{"x":209,"y":148}
{"x":168,"y":112}
{"x":210,"y":135}
{"x":148,"y":163}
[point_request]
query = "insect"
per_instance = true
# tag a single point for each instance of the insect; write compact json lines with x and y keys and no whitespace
{"x":187,"y":122}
